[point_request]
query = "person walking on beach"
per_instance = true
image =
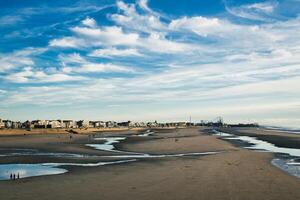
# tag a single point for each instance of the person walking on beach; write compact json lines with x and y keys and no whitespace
{"x":14,"y":176}
{"x":11,"y":176}
{"x":18,"y":177}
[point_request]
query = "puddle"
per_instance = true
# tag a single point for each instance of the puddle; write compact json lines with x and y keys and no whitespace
{"x":146,"y":133}
{"x":222,"y":134}
{"x":42,"y":169}
{"x":108,"y":143}
{"x":28,"y":170}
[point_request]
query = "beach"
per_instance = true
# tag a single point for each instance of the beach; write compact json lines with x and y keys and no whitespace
{"x":230,"y":172}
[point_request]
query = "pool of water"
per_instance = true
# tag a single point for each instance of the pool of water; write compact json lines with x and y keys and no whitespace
{"x":42,"y":169}
{"x":146,"y":133}
{"x":108,"y":144}
{"x":28,"y":170}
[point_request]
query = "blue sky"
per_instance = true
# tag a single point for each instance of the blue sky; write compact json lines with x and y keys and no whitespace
{"x":151,"y":60}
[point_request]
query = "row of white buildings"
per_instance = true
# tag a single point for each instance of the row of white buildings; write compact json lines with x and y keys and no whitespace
{"x":68,"y":124}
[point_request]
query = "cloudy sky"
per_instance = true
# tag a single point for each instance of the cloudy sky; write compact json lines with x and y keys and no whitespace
{"x":151,"y":60}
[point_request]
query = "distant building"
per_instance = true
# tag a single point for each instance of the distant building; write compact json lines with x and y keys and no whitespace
{"x":83,"y":124}
{"x":54,"y":124}
{"x":39,"y":123}
{"x":126,"y":124}
{"x":7,"y":123}
{"x":16,"y":125}
{"x":27,"y":125}
{"x":181,"y":124}
{"x":2,"y":125}
{"x":68,"y":124}
{"x":152,"y":124}
{"x":97,"y":124}
{"x":111,"y":124}
{"x":139,"y":124}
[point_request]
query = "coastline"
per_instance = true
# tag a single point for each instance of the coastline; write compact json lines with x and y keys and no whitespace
{"x":280,"y":139}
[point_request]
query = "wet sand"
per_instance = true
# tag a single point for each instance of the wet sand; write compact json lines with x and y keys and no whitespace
{"x":234,"y":173}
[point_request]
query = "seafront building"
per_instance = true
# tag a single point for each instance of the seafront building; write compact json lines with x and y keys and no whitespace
{"x":70,"y":124}
{"x":2,"y":125}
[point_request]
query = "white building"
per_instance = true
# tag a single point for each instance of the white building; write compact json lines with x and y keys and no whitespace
{"x":2,"y":125}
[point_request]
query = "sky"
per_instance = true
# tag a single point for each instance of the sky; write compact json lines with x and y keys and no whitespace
{"x":149,"y":60}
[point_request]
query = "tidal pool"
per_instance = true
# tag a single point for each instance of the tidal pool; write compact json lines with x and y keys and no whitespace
{"x":108,"y":143}
{"x":41,"y":169}
{"x":28,"y":170}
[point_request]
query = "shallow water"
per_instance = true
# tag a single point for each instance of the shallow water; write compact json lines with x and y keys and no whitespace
{"x":266,"y":146}
{"x":28,"y":170}
{"x":290,"y":165}
{"x":146,"y":133}
{"x":108,"y":143}
{"x":222,"y":134}
{"x":41,"y":169}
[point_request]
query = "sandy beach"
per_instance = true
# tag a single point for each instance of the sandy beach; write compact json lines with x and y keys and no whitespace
{"x":46,"y":131}
{"x":233,"y":173}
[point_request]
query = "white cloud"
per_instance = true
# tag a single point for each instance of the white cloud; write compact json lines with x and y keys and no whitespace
{"x":107,"y":35}
{"x":133,"y":20}
{"x":77,"y":64}
{"x":70,"y":42}
{"x":28,"y":74}
{"x":267,"y":7}
{"x":90,"y":22}
{"x":18,"y":59}
{"x":114,"y":52}
{"x":257,"y":11}
{"x":115,"y":36}
{"x":200,"y":25}
{"x":102,"y":67}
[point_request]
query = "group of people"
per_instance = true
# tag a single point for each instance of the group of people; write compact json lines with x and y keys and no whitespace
{"x":14,"y":176}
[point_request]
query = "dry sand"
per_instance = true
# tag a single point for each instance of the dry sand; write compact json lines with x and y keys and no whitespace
{"x":47,"y":131}
{"x":233,"y":174}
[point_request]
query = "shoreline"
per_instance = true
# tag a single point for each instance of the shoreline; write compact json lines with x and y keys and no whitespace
{"x":286,"y":140}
